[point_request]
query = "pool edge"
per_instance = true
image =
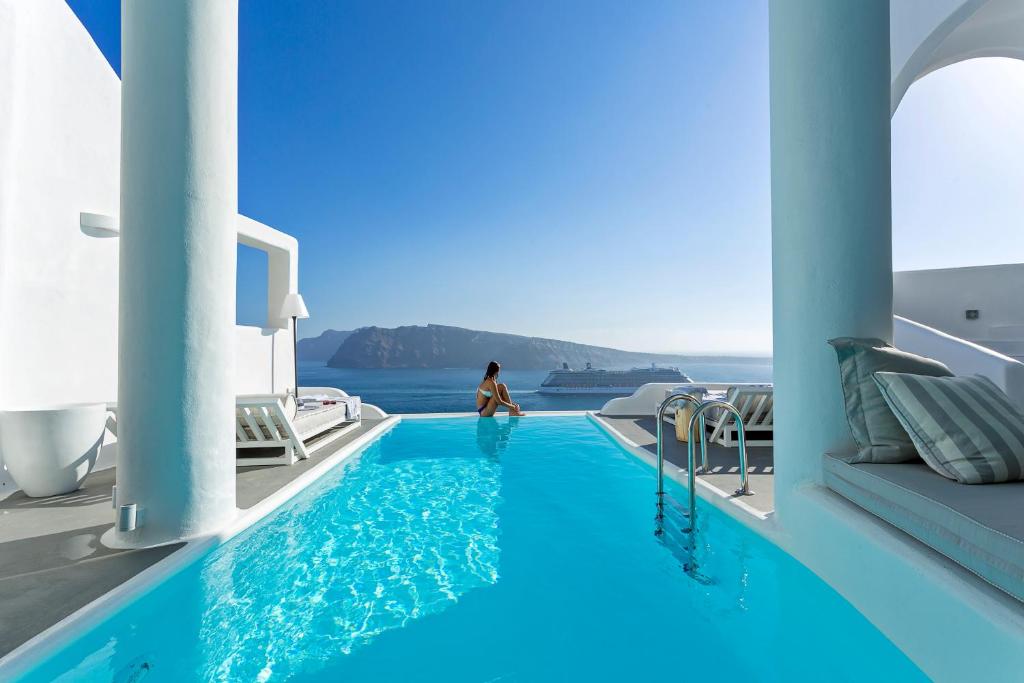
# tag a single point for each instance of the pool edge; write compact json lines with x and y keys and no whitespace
{"x":532,"y":413}
{"x":32,"y":652}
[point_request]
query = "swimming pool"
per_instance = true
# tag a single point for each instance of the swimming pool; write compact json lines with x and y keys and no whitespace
{"x":494,"y":549}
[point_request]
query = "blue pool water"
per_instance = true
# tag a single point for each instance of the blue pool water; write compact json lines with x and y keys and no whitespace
{"x":468,"y":549}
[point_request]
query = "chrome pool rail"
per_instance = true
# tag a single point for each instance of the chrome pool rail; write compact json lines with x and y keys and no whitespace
{"x":660,"y":420}
{"x":698,"y":415}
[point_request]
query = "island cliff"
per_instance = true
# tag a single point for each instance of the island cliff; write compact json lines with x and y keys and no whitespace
{"x":323,"y":347}
{"x":442,"y":346}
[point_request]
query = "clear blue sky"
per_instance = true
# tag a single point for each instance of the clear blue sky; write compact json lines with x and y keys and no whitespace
{"x":561,"y":168}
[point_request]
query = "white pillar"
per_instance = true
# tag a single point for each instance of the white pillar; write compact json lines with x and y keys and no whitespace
{"x":831,"y":214}
{"x":179,"y":200}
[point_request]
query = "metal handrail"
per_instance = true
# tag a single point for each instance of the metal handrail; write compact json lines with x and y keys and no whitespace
{"x":660,"y":419}
{"x":698,"y":414}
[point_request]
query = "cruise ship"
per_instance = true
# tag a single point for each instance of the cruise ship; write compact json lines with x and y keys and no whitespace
{"x":595,"y":381}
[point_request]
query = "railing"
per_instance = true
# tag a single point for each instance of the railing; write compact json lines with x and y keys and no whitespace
{"x":691,"y":456}
{"x":963,"y":357}
{"x":660,"y":420}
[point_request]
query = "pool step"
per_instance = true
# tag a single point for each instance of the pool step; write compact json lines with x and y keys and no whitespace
{"x":672,"y":530}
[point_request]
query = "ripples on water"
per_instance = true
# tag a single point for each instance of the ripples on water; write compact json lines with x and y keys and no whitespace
{"x":301,"y":593}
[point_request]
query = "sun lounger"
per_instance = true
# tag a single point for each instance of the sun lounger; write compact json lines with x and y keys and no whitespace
{"x":757,"y":406}
{"x":755,"y":402}
{"x":272,"y":422}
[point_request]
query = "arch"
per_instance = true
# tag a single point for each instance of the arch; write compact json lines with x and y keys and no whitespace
{"x":926,"y":35}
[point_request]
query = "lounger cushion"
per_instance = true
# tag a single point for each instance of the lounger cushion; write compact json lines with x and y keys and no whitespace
{"x":980,"y":528}
{"x":965,"y":428}
{"x":309,"y":423}
{"x":878,"y":433}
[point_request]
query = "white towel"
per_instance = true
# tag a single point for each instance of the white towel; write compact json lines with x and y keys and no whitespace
{"x":353,"y":405}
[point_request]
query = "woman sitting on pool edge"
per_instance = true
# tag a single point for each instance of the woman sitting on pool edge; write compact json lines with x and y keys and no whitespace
{"x":490,"y":394}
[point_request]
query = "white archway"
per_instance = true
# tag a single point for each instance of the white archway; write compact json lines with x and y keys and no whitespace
{"x":956,"y":170}
{"x":926,"y":35}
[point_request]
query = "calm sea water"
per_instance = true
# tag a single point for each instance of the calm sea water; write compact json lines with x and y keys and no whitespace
{"x":445,"y":391}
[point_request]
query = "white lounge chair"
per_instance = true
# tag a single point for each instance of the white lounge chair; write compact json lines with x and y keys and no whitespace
{"x":755,"y":402}
{"x":273,"y":421}
{"x":757,"y":406}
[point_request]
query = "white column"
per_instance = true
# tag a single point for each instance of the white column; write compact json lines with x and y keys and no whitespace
{"x":831,"y":217}
{"x":179,"y":187}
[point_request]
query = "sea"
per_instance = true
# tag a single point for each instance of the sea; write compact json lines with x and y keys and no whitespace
{"x":452,"y":390}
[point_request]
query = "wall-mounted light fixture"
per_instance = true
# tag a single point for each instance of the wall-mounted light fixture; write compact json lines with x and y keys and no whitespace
{"x":128,"y":517}
{"x":98,"y":225}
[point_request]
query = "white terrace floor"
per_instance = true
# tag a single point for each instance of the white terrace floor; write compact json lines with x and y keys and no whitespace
{"x":51,"y":559}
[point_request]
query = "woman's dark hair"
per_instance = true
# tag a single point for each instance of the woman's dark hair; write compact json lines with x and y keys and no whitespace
{"x":493,"y":368}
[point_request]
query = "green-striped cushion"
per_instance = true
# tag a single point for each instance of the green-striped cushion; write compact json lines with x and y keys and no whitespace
{"x":875,"y":429}
{"x":965,"y":428}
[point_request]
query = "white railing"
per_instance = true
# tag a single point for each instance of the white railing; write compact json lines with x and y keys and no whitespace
{"x":962,"y":357}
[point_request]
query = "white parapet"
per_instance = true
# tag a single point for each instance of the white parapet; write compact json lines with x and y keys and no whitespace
{"x":963,"y":357}
{"x":179,"y":200}
{"x":645,"y":401}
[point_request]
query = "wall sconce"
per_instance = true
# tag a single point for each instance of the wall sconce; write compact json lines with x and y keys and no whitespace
{"x":99,"y":225}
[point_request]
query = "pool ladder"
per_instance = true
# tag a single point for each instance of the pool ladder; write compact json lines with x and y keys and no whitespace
{"x":699,"y":408}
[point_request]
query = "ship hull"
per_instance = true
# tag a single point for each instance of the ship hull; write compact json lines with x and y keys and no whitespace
{"x":606,"y":382}
{"x":608,"y":391}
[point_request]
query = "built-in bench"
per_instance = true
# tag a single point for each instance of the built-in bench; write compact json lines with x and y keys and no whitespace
{"x":980,"y":527}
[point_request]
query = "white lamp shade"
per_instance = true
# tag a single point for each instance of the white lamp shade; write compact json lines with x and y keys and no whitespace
{"x":294,"y":307}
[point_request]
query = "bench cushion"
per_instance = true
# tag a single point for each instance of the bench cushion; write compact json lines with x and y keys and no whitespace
{"x":878,"y":433}
{"x":979,"y":527}
{"x":309,"y":423}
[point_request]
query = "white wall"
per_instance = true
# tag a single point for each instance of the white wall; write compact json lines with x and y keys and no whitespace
{"x":60,"y":115}
{"x":264,"y":357}
{"x":60,"y":133}
{"x":282,"y":264}
{"x":939,"y":298}
{"x":59,"y":156}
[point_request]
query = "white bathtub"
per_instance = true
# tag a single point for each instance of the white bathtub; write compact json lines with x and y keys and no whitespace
{"x":50,"y":450}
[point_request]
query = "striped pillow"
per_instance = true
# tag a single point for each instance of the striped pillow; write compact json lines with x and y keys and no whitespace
{"x":874,"y":428}
{"x":965,"y":428}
